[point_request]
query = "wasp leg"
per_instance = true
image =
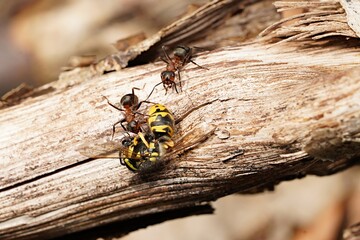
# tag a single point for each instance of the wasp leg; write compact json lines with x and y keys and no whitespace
{"x":121,"y":159}
{"x":167,"y":141}
{"x":141,"y":135}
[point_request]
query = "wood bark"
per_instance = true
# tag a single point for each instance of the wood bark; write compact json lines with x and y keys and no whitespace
{"x":278,"y":114}
{"x":318,"y":20}
{"x":264,"y":114}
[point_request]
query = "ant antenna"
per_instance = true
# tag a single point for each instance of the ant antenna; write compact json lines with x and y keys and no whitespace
{"x":108,"y":101}
{"x":133,"y":93}
{"x":152,"y":91}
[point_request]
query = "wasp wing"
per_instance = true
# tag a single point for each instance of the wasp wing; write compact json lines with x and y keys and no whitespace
{"x":191,"y":139}
{"x":109,"y":149}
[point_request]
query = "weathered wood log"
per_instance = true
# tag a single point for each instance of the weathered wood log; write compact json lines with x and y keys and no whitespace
{"x":279,"y":113}
{"x":185,"y":30}
{"x":319,"y":20}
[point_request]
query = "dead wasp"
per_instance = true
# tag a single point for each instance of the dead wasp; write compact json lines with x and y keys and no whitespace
{"x":153,"y":145}
{"x":181,"y":56}
{"x":146,"y":146}
{"x":134,"y":152}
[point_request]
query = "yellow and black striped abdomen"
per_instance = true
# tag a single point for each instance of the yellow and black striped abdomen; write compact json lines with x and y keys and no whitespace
{"x":161,"y":121}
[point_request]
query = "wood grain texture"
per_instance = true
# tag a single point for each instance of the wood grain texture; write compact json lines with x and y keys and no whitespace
{"x":352,"y":9}
{"x":280,"y":113}
{"x":319,"y":20}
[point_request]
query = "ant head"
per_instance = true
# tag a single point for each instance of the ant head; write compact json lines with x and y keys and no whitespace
{"x":181,"y":51}
{"x":167,"y":76}
{"x":129,"y":100}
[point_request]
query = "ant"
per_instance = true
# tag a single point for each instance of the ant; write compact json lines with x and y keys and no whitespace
{"x":130,"y":103}
{"x":181,"y":56}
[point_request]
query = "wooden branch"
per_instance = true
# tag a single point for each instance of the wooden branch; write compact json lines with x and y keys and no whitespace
{"x":182,"y":31}
{"x":320,"y":19}
{"x":280,"y":113}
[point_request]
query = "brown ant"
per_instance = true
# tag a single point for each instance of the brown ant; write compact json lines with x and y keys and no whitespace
{"x":130,"y":103}
{"x":181,"y":56}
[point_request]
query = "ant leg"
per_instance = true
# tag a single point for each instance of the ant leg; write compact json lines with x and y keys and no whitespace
{"x":187,"y":58}
{"x":114,"y":126}
{"x":166,"y":54}
{"x":164,"y":60}
{"x":198,"y":64}
{"x":179,"y":77}
{"x":117,"y":108}
{"x":121,"y":158}
{"x":122,"y":161}
{"x":168,"y":59}
{"x":122,"y":124}
{"x":174,"y":84}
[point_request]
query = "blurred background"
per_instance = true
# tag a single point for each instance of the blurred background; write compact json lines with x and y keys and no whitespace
{"x":38,"y":38}
{"x":312,"y":208}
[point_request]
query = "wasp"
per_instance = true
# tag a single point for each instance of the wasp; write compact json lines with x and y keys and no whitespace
{"x":148,"y":146}
{"x":135,"y":152}
{"x":130,"y":103}
{"x":151,"y":146}
{"x":161,"y":125}
{"x":181,"y":56}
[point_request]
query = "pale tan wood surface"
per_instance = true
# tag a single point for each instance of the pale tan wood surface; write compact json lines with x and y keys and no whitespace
{"x":280,"y":113}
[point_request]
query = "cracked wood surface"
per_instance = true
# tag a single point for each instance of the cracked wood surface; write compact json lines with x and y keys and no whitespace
{"x":317,"y":20}
{"x":280,"y":113}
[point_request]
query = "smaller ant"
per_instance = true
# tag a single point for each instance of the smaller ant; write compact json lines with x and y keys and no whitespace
{"x":130,"y":103}
{"x":181,"y":56}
